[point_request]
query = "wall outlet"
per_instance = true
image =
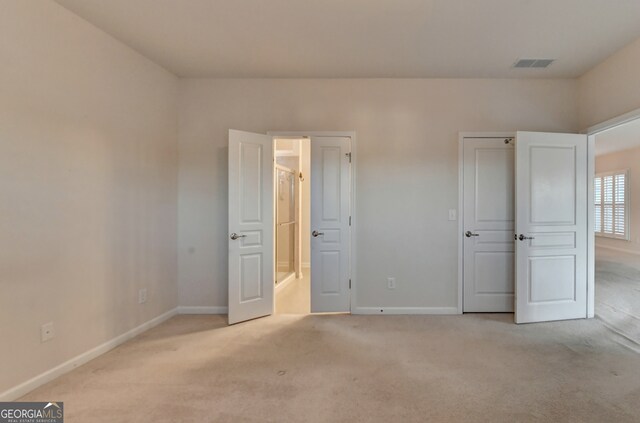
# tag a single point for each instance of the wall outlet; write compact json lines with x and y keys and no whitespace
{"x":391,"y":283}
{"x":47,"y":332}
{"x":453,"y":214}
{"x":142,"y":296}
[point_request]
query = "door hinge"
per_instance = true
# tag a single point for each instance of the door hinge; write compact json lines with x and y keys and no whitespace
{"x":349,"y":283}
{"x":349,"y":220}
{"x":349,"y":156}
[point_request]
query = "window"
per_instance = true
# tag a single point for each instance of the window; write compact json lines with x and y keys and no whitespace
{"x":611,"y":204}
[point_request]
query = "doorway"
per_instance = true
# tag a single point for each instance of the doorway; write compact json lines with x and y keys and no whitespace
{"x":292,"y":226}
{"x":616,"y":215}
{"x":256,"y":270}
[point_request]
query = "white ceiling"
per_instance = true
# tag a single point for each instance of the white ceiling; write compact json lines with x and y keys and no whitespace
{"x":367,"y":38}
{"x":620,"y":138}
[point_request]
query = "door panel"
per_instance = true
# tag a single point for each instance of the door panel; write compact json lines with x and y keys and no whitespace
{"x":553,"y":181}
{"x":551,"y":216}
{"x":552,"y":279}
{"x":330,"y":211}
{"x":251,"y":254}
{"x":488,"y":213}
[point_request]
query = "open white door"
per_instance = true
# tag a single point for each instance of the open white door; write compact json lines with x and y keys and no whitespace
{"x":251,"y":226}
{"x":330,"y":211}
{"x":551,"y":227}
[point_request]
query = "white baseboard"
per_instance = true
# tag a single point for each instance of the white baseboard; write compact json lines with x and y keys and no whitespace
{"x":31,"y":384}
{"x":202,"y":310}
{"x":285,"y":282}
{"x":405,"y":310}
{"x":622,"y":250}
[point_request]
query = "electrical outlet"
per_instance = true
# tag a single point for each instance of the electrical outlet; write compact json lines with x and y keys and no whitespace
{"x":142,"y":296}
{"x":47,"y":332}
{"x":391,"y":283}
{"x":453,"y":214}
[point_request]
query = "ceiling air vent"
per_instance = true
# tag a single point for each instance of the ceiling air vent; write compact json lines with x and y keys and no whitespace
{"x":532,"y":63}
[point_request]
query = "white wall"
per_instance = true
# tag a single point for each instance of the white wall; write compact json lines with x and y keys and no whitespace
{"x":610,"y":89}
{"x":88,"y":187}
{"x":407,"y":168}
{"x":627,"y":159}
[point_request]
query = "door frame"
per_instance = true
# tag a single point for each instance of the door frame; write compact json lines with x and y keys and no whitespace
{"x":461,"y":138}
{"x":591,"y":133}
{"x":354,"y":158}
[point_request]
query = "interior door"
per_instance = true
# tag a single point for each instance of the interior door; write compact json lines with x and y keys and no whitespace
{"x":488,"y":187}
{"x":330,"y":224}
{"x":551,"y":227}
{"x":251,"y":226}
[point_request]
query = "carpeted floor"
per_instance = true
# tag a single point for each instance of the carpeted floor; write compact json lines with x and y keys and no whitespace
{"x":341,"y":368}
{"x":618,"y":292}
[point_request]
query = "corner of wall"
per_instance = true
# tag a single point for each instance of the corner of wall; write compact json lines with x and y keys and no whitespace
{"x":611,"y":88}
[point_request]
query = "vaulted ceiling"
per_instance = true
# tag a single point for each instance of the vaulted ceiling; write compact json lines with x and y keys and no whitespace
{"x":367,"y":38}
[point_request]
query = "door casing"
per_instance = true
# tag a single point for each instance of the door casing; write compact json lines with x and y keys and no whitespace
{"x":591,"y":132}
{"x":354,"y":156}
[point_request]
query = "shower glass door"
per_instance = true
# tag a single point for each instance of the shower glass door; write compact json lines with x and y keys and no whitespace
{"x":286,"y":224}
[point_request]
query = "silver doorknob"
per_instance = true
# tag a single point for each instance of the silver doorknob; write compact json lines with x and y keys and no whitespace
{"x":235,"y":236}
{"x":316,"y":233}
{"x":469,"y":234}
{"x":522,"y":237}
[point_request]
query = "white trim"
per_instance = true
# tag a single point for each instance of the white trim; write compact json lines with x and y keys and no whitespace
{"x":354,"y":159}
{"x":591,"y":260}
{"x":286,"y":281}
{"x":460,"y":223}
{"x":612,"y":123}
{"x":203,"y":310}
{"x":57,"y":371}
{"x":461,"y":137}
{"x":592,"y":131}
{"x":405,"y":310}
{"x":622,"y":250}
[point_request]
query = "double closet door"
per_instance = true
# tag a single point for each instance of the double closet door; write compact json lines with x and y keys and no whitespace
{"x":525,"y":226}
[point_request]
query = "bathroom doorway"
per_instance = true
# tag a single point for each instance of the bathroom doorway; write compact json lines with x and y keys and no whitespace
{"x":292,"y":226}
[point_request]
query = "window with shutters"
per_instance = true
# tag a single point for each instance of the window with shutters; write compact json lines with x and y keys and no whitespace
{"x":611,"y":215}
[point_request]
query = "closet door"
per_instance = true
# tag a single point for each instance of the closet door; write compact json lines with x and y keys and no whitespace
{"x":488,"y":178}
{"x":551,"y":227}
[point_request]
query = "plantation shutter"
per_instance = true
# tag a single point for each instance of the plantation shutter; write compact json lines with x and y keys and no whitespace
{"x":611,"y":204}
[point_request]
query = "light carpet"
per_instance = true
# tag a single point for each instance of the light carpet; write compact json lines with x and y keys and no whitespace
{"x":341,"y":368}
{"x":618,"y":292}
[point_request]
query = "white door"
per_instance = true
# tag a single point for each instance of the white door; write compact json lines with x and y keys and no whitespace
{"x":251,"y":226}
{"x":330,"y":210}
{"x":488,"y":189}
{"x":551,"y":225}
